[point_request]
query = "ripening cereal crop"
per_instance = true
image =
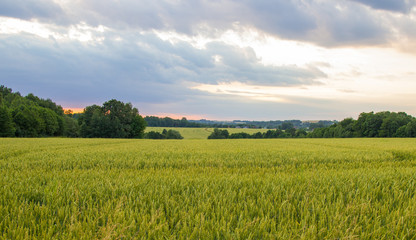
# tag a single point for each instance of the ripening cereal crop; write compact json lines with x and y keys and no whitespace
{"x":207,"y":189}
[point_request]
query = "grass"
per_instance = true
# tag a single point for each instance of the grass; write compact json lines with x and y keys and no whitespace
{"x":208,"y":189}
{"x":202,"y":133}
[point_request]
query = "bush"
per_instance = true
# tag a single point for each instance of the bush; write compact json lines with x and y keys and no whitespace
{"x":166,"y":134}
{"x":173,"y":134}
{"x":219,"y":134}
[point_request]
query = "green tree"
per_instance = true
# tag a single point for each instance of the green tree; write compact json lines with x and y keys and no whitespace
{"x":114,"y":119}
{"x":286,"y":125}
{"x":257,"y":135}
{"x":347,"y":126}
{"x":368,"y":124}
{"x":6,"y":123}
{"x":300,"y":133}
{"x":27,"y":118}
{"x":274,"y":134}
{"x":50,"y":120}
{"x":392,"y":122}
{"x":71,"y":127}
{"x":138,"y":125}
{"x":290,"y":131}
{"x":411,"y":128}
{"x":154,"y":135}
{"x":166,"y":134}
{"x":89,"y":121}
{"x":219,"y":134}
{"x":173,"y":134}
{"x":239,"y":135}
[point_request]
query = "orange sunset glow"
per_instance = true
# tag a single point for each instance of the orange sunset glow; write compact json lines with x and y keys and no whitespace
{"x":74,"y":110}
{"x":176,"y":116}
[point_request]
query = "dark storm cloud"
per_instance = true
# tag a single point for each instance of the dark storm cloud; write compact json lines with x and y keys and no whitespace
{"x":403,"y":6}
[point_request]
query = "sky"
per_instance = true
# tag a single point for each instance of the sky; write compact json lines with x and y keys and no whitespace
{"x":217,"y":59}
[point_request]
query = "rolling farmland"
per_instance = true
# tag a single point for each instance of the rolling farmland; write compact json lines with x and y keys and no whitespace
{"x":203,"y":133}
{"x":56,"y":188}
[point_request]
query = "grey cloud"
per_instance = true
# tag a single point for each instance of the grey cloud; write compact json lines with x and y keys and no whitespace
{"x":316,"y":21}
{"x":352,"y":25}
{"x":155,"y":75}
{"x":281,"y":17}
{"x":403,"y":6}
{"x":287,"y":18}
{"x":145,"y":14}
{"x":140,"y":68}
{"x":320,"y":22}
{"x":241,"y":64}
{"x":28,"y":9}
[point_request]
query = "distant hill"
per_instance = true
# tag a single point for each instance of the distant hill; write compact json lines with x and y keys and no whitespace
{"x":153,"y":121}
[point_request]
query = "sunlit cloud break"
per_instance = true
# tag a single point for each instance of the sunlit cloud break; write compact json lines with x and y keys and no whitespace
{"x":277,"y":94}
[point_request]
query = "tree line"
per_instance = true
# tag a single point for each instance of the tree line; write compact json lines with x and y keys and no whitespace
{"x":31,"y":116}
{"x":277,"y":133}
{"x":154,"y":121}
{"x":381,"y":124}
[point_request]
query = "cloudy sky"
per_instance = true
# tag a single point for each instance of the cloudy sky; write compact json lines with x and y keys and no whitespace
{"x":217,"y":59}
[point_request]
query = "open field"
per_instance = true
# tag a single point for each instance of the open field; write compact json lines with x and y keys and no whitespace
{"x":202,"y":133}
{"x":208,"y":189}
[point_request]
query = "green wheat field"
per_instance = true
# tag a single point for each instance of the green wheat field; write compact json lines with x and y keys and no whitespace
{"x":57,"y":188}
{"x":203,"y":133}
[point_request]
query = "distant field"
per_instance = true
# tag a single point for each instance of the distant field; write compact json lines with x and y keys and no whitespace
{"x":207,"y":189}
{"x":202,"y":133}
